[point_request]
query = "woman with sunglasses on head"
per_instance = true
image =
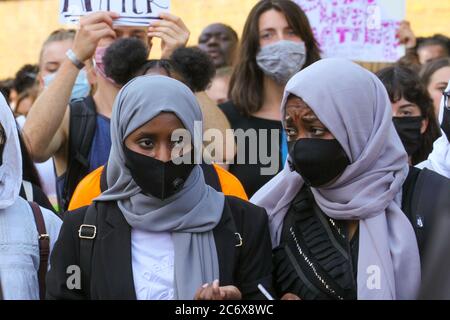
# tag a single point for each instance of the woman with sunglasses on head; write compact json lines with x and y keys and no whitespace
{"x":159,"y":231}
{"x":340,"y":213}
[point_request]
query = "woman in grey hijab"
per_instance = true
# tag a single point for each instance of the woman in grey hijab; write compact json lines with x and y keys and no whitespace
{"x":335,"y":211}
{"x":160,"y":232}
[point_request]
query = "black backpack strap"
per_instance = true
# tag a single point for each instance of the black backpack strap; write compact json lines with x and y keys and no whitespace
{"x":81,"y":133}
{"x":103,"y":182}
{"x":87,"y":234}
{"x":211,"y":176}
{"x":44,"y":247}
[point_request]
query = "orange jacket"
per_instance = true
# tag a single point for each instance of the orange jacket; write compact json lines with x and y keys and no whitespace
{"x":89,"y":188}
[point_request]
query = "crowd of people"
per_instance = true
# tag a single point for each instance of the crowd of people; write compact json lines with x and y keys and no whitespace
{"x":119,"y":178}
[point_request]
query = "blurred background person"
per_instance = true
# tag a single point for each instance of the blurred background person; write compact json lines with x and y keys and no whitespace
{"x":435,"y":76}
{"x":26,"y":89}
{"x":434,"y":47}
{"x":220,"y":42}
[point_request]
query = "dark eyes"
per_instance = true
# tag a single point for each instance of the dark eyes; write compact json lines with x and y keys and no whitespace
{"x":314,"y":132}
{"x":146,"y":143}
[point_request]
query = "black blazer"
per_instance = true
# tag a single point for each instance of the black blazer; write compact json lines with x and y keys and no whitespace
{"x":112,"y":275}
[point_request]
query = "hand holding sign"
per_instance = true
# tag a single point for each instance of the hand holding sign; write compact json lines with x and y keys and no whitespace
{"x":132,"y":12}
{"x":405,"y":35}
{"x":172,"y":31}
{"x":93,"y":27}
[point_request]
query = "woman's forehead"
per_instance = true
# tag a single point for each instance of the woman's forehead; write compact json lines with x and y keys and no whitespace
{"x":298,"y":105}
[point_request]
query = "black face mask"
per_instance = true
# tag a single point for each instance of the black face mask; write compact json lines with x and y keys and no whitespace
{"x":318,"y":161}
{"x":445,"y":126}
{"x":157,"y":178}
{"x":408,"y":129}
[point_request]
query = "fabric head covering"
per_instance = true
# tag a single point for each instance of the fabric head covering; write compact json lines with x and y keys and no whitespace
{"x":192,"y":213}
{"x":439,"y":158}
{"x":353,"y":104}
{"x":11,"y":169}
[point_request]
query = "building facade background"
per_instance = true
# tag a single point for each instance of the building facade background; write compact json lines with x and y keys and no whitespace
{"x":24,"y":24}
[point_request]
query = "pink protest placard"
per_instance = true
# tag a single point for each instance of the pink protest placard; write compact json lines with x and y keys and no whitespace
{"x":362,"y":30}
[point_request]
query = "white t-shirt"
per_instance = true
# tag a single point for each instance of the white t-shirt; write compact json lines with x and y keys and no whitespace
{"x":152,"y":255}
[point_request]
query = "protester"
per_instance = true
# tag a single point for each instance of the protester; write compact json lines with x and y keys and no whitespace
{"x":435,"y":47}
{"x":277,"y":41}
{"x":163,"y":213}
{"x":220,"y":42}
{"x":435,"y":75}
{"x":6,"y":88}
{"x":25,"y":89}
{"x":347,"y":181}
{"x":78,"y":137}
{"x":413,"y":111}
{"x":20,"y":261}
{"x":438,"y":160}
{"x":190,"y":66}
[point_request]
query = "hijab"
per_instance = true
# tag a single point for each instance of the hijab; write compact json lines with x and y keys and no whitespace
{"x":11,"y":168}
{"x":353,"y":104}
{"x":192,"y":213}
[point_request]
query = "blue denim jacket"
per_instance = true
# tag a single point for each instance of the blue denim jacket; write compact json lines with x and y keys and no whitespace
{"x":19,"y":249}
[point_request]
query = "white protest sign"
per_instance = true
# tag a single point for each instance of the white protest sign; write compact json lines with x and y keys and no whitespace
{"x":132,"y":12}
{"x":363,"y":30}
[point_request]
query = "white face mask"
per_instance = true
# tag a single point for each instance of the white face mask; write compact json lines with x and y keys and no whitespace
{"x":281,"y":60}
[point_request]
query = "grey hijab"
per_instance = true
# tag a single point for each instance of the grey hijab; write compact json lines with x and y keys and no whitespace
{"x":11,"y":169}
{"x":353,"y":104}
{"x":192,"y":213}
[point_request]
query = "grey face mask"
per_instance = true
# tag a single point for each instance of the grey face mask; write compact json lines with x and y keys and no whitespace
{"x":282,"y":60}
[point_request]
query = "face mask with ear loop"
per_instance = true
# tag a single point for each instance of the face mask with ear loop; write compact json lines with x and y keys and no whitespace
{"x":81,"y":87}
{"x":318,"y":161}
{"x":281,"y":60}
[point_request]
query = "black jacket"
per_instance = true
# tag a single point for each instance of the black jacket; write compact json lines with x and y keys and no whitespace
{"x":111,"y":275}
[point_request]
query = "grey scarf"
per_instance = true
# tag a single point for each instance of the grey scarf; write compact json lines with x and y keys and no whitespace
{"x":192,"y":213}
{"x":353,"y":104}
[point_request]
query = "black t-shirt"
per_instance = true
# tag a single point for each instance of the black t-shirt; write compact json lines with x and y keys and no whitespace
{"x":256,"y":158}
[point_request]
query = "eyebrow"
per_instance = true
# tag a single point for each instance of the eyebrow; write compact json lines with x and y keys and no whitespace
{"x":145,"y":134}
{"x":309,"y":118}
{"x":406,"y":105}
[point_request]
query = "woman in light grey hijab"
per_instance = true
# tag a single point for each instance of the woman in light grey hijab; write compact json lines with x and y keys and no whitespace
{"x":174,"y":236}
{"x":19,"y":247}
{"x":337,"y":226}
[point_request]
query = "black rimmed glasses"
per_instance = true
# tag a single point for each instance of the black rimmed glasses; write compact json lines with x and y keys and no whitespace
{"x":446,"y":99}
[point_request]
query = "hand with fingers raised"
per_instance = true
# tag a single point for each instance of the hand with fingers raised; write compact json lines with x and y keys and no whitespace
{"x":172,"y":31}
{"x":93,"y":27}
